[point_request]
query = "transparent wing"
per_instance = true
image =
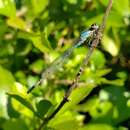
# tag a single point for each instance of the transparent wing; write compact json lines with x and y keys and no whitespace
{"x":61,"y":60}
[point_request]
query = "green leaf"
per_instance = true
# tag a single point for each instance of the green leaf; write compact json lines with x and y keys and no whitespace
{"x":6,"y":84}
{"x":118,"y":82}
{"x":120,"y":103}
{"x":37,"y":66}
{"x":97,"y":127}
{"x":77,"y":95}
{"x":18,"y":23}
{"x":66,"y":121}
{"x":7,"y":8}
{"x":3,"y":27}
{"x":11,"y":111}
{"x":100,"y":109}
{"x":88,"y":105}
{"x":48,"y":128}
{"x":42,"y":107}
{"x":6,"y":79}
{"x":96,"y":18}
{"x":104,"y":2}
{"x":102,"y":72}
{"x":37,"y":42}
{"x":122,"y":7}
{"x":39,"y":5}
{"x":101,"y":59}
{"x":115,"y":21}
{"x":122,"y":75}
{"x":17,"y":124}
{"x":22,"y":101}
{"x":72,"y":1}
{"x":110,"y":46}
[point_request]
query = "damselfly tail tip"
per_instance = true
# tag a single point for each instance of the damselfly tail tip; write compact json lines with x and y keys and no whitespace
{"x":30,"y":89}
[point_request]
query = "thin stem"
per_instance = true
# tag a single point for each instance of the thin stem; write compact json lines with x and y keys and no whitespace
{"x":77,"y":77}
{"x":103,"y":24}
{"x":73,"y":85}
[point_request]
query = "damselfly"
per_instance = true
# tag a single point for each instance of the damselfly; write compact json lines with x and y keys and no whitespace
{"x":86,"y":35}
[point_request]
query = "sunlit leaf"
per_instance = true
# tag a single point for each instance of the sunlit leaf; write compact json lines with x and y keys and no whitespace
{"x":118,"y":82}
{"x":11,"y":111}
{"x":102,"y":72}
{"x":122,"y":6}
{"x":100,"y":109}
{"x":101,"y":59}
{"x":85,"y":107}
{"x":76,"y":96}
{"x":22,"y":101}
{"x":37,"y":66}
{"x":72,"y":1}
{"x":97,"y":127}
{"x":39,"y":5}
{"x":65,"y":121}
{"x":19,"y":89}
{"x":37,"y":42}
{"x":18,"y":23}
{"x":6,"y":85}
{"x":115,"y":21}
{"x":122,"y":75}
{"x":7,"y":8}
{"x":110,"y":46}
{"x":6,"y":79}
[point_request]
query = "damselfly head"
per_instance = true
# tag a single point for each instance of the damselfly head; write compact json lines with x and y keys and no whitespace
{"x":94,"y":27}
{"x":88,"y":32}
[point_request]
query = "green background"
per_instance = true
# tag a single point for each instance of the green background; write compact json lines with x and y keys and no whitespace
{"x":35,"y":32}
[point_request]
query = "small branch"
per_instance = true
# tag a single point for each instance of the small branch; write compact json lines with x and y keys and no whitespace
{"x":74,"y":84}
{"x":103,"y":24}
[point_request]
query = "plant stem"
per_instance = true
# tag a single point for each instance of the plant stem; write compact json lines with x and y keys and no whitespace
{"x":73,"y":85}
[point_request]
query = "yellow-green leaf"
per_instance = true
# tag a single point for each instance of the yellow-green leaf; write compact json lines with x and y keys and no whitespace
{"x":7,"y":8}
{"x":110,"y":46}
{"x":18,"y":23}
{"x":39,"y":5}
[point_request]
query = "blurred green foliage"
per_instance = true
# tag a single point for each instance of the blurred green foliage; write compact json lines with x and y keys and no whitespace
{"x":32,"y":34}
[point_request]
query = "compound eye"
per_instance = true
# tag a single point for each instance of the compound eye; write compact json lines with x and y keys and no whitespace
{"x":94,"y":26}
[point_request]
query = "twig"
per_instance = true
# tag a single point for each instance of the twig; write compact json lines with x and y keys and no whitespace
{"x":73,"y":85}
{"x":103,"y":24}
